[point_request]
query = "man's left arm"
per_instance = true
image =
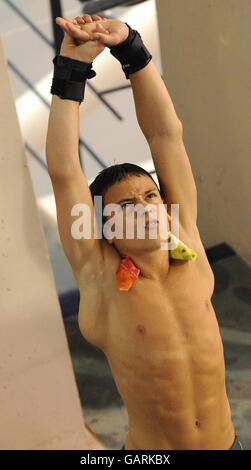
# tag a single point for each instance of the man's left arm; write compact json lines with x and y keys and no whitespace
{"x":163,"y":131}
{"x":154,"y":108}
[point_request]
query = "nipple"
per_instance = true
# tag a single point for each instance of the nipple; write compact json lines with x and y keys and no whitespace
{"x":141,"y":329}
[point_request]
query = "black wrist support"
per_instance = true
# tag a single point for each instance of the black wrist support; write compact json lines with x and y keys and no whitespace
{"x":132,"y":53}
{"x":70,"y":77}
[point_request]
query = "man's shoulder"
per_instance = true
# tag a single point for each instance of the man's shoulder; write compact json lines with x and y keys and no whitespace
{"x":192,"y":238}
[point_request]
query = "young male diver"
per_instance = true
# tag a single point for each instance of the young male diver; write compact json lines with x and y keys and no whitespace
{"x":148,"y":309}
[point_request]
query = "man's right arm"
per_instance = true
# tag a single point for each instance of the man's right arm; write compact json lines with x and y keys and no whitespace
{"x":70,"y":185}
{"x":62,"y":152}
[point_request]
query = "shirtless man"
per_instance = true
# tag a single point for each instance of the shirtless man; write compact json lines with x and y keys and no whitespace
{"x":161,"y":337}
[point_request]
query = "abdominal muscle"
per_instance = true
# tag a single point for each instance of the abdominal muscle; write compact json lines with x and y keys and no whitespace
{"x":169,"y":369}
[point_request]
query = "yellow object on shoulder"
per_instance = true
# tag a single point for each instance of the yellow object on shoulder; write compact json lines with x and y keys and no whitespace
{"x":181,"y":251}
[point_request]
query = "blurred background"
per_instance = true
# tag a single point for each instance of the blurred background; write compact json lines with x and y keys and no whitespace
{"x":201,"y":51}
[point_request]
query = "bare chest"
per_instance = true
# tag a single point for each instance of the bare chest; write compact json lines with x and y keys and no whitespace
{"x":148,"y":312}
{"x":157,"y":318}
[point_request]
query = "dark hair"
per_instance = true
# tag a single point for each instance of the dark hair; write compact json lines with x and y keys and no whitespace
{"x":109,"y":176}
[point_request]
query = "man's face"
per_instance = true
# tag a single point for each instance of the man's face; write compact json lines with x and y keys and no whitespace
{"x":139,"y":192}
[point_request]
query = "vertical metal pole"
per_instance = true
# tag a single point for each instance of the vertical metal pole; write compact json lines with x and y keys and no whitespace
{"x":58,"y":34}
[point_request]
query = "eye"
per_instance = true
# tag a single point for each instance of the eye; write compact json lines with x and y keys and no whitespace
{"x":152,"y":194}
{"x":126,"y":203}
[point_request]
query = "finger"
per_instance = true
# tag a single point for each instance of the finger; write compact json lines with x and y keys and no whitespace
{"x":100,"y":29}
{"x":80,"y":20}
{"x":70,"y":20}
{"x":96,"y":17}
{"x":101,"y":18}
{"x":87,"y":18}
{"x":62,"y":23}
{"x":103,"y":36}
{"x":77,"y":33}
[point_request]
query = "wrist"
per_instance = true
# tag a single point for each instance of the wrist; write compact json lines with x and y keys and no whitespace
{"x":132,"y":53}
{"x":126,"y":36}
{"x":85,"y":60}
{"x":72,"y":69}
{"x":70,"y":77}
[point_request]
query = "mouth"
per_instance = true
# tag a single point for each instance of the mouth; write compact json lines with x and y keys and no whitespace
{"x":151,"y":223}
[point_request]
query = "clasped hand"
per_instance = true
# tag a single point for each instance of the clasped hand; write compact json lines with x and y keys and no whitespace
{"x":86,"y":37}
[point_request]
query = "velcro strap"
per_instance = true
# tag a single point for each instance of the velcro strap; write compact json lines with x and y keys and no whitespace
{"x":71,"y":69}
{"x":67,"y":89}
{"x":132,"y":53}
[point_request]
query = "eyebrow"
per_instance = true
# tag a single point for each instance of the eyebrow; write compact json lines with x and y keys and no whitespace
{"x":133,"y":199}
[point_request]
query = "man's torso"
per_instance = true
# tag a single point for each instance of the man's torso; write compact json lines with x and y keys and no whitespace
{"x":165,"y":351}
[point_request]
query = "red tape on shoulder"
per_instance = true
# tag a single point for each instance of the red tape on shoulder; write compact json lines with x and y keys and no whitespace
{"x":126,"y":274}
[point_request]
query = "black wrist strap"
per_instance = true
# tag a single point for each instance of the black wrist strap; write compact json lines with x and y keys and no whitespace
{"x":132,"y":53}
{"x":68,"y":90}
{"x":70,"y":77}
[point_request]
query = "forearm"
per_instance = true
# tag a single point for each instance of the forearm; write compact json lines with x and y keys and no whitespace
{"x":154,"y":108}
{"x":62,"y":153}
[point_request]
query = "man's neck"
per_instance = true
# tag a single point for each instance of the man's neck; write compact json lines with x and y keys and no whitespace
{"x":153,"y":265}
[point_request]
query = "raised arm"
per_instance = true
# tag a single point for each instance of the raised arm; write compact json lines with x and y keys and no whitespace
{"x":70,"y":185}
{"x":163,"y":130}
{"x":154,"y":108}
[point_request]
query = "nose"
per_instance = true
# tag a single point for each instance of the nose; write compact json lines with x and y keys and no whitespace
{"x":148,"y":210}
